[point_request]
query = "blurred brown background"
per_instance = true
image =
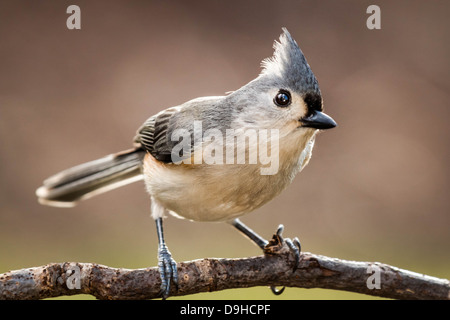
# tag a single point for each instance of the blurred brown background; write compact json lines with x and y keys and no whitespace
{"x":377,"y":188}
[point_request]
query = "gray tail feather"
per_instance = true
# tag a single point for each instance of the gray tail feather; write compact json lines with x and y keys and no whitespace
{"x":64,"y":189}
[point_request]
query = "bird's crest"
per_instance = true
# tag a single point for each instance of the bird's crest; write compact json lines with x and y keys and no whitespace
{"x":289,"y":64}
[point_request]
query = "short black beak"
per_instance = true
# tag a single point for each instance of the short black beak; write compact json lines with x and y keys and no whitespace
{"x":318,"y":120}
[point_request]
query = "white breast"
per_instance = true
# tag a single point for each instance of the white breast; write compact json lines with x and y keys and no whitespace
{"x":223,"y":192}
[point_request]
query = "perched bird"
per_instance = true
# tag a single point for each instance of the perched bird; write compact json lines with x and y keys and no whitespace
{"x":181,"y":164}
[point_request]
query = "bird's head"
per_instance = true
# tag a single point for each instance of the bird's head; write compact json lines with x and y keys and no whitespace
{"x":285,"y":95}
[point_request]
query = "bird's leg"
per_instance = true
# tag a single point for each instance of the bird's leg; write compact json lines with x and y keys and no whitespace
{"x":294,"y":245}
{"x":252,"y":235}
{"x":167,"y":266}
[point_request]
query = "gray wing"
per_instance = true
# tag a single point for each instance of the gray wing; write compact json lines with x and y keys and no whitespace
{"x":153,"y":135}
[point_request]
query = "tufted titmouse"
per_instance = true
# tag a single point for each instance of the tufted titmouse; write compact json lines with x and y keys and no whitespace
{"x":284,"y":100}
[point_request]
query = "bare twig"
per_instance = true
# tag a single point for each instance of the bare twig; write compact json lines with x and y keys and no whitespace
{"x":275,"y":268}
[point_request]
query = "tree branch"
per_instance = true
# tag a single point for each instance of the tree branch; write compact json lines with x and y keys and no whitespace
{"x":274,"y":268}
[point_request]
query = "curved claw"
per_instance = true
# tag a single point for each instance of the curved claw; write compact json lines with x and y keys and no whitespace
{"x":295,"y":247}
{"x":168,"y":271}
{"x":277,"y":292}
{"x":280,"y":231}
{"x":298,"y":244}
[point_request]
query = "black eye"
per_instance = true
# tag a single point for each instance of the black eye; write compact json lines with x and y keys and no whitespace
{"x":283,"y":98}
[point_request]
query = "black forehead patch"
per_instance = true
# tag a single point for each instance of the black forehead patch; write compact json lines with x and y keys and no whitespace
{"x":313,"y":101}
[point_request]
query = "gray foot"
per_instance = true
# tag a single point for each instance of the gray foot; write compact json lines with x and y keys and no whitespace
{"x":168,"y":271}
{"x":294,"y":246}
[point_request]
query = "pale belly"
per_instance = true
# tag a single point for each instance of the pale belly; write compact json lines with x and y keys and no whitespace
{"x":219,"y":192}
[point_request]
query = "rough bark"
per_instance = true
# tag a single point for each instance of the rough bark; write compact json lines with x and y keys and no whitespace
{"x":274,"y":268}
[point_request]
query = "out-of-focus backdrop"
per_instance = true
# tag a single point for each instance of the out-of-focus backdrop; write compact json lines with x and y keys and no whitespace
{"x":377,"y":188}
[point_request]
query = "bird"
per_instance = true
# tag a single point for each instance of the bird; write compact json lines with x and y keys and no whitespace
{"x":179,"y":153}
